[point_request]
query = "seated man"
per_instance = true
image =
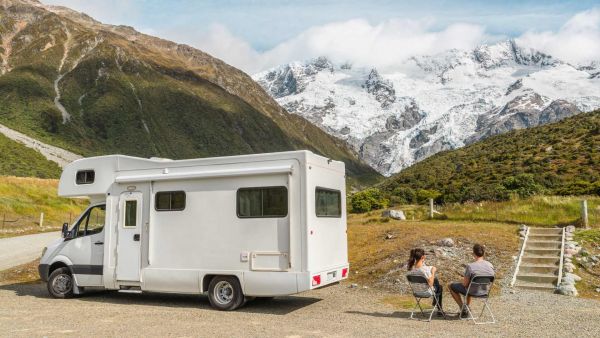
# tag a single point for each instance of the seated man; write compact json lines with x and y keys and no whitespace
{"x":480,"y":267}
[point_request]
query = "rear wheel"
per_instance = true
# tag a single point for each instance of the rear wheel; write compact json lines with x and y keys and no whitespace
{"x":60,"y":283}
{"x":225,"y":293}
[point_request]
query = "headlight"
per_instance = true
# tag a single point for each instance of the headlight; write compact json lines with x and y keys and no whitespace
{"x":44,"y":251}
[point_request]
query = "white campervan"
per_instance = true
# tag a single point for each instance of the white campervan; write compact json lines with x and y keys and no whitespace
{"x":235,"y":227}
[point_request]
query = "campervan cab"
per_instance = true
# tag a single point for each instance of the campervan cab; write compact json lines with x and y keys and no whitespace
{"x":234,"y":227}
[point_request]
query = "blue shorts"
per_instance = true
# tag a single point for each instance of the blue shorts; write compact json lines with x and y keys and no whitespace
{"x":458,"y":288}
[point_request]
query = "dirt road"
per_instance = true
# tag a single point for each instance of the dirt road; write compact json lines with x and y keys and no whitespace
{"x":22,"y":249}
{"x":26,"y":310}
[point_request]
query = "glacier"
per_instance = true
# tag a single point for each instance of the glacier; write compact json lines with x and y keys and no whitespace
{"x":431,"y":103}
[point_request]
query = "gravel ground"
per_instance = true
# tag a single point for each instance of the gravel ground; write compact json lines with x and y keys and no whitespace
{"x":26,"y":310}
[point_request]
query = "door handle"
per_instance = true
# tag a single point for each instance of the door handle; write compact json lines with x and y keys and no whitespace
{"x":99,"y":243}
{"x":136,"y":237}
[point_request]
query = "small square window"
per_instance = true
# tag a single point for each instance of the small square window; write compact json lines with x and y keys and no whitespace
{"x":328,"y":202}
{"x":85,"y":177}
{"x":169,"y":201}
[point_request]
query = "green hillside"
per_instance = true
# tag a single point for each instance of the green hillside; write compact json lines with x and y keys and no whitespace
{"x":562,"y":158}
{"x":129,"y":93}
{"x":18,"y":160}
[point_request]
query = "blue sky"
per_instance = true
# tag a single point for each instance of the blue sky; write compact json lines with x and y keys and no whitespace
{"x":259,"y":26}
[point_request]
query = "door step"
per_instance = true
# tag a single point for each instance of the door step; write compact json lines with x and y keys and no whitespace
{"x":130,"y":289}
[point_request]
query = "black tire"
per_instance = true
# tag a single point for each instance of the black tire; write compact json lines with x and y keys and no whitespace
{"x":61,"y":283}
{"x":225,"y":293}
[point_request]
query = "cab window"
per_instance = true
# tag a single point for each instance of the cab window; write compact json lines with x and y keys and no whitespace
{"x":92,"y":222}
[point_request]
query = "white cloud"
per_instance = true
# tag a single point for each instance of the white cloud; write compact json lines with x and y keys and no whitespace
{"x":387,"y":44}
{"x":577,"y":41}
{"x":384,"y":45}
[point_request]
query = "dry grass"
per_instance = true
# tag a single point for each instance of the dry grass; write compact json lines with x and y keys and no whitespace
{"x":26,"y":273}
{"x":535,"y":211}
{"x":372,"y":257}
{"x":23,"y":199}
{"x":590,"y":241}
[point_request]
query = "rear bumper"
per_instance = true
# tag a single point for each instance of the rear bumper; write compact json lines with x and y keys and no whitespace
{"x":43,"y":270}
{"x":328,"y":276}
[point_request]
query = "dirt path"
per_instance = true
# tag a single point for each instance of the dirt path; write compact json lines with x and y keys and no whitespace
{"x":58,"y":155}
{"x":26,"y":310}
{"x":22,"y":249}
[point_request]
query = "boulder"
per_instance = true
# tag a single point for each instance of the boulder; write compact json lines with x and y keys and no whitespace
{"x":570,"y":229}
{"x":570,"y":252}
{"x":446,"y":242}
{"x":573,"y":276}
{"x":395,"y":214}
{"x":567,"y":290}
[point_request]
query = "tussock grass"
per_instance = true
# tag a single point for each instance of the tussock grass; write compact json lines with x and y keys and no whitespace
{"x":536,"y":210}
{"x":23,"y":199}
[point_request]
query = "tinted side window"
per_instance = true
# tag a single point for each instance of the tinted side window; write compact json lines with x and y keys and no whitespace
{"x":262,"y":202}
{"x":169,"y":201}
{"x":328,"y":203}
{"x":85,"y":177}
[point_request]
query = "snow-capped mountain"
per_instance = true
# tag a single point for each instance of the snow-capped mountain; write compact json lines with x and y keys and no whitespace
{"x":433,"y":103}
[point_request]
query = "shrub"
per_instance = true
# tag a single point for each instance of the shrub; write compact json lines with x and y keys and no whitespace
{"x":404,"y":195}
{"x":367,"y":200}
{"x":423,"y":195}
{"x":523,"y":185}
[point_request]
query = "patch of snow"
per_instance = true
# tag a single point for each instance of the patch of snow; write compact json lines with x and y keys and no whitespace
{"x":432,"y":103}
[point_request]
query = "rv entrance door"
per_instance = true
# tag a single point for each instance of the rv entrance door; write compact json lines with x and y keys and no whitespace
{"x":129,"y":232}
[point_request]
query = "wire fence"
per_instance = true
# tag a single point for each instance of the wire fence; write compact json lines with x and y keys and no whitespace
{"x":11,"y":223}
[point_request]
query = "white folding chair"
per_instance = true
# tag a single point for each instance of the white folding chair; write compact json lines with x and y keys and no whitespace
{"x":479,"y":288}
{"x":422,"y":290}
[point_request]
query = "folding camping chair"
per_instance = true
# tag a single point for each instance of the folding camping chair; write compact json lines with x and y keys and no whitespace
{"x":485,"y":284}
{"x":422,"y":290}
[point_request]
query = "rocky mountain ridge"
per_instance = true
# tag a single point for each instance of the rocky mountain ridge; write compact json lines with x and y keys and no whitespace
{"x":394,"y":118}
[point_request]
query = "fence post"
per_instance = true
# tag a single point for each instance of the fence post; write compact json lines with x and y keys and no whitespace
{"x":41,"y":219}
{"x":584,"y":213}
{"x":3,"y":220}
{"x":431,"y":208}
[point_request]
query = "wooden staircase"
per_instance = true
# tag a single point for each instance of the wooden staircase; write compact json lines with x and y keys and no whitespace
{"x":539,"y":267}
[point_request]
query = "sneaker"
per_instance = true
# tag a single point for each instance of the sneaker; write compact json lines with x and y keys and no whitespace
{"x":465,"y":312}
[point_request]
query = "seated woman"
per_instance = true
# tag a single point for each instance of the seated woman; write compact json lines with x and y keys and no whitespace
{"x":416,"y":264}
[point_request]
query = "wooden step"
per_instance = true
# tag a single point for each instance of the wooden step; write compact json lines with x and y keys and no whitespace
{"x":537,"y":244}
{"x":537,"y":278}
{"x":538,"y":268}
{"x":545,"y":231}
{"x":542,"y":251}
{"x":548,"y":287}
{"x":533,"y":259}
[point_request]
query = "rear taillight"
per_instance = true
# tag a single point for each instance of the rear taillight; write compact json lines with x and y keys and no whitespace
{"x":316,"y":280}
{"x":344,"y":272}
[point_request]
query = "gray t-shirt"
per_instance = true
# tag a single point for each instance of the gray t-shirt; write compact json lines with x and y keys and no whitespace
{"x":480,"y":268}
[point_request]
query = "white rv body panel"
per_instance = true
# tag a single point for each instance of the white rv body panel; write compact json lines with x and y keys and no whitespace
{"x":180,"y":249}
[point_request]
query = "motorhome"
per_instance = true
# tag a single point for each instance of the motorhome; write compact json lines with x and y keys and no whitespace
{"x":234,"y":227}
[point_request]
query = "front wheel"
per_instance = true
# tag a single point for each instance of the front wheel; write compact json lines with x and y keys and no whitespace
{"x":60,"y":283}
{"x":225,"y":293}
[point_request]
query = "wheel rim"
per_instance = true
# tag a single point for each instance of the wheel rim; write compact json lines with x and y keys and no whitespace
{"x":223,"y":292}
{"x":62,"y":284}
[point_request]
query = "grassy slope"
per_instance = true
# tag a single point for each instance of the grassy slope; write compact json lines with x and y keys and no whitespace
{"x":23,"y":199}
{"x":192,"y":104}
{"x":18,"y":160}
{"x":563,"y":157}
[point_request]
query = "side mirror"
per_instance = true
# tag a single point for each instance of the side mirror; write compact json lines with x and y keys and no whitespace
{"x":65,"y":230}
